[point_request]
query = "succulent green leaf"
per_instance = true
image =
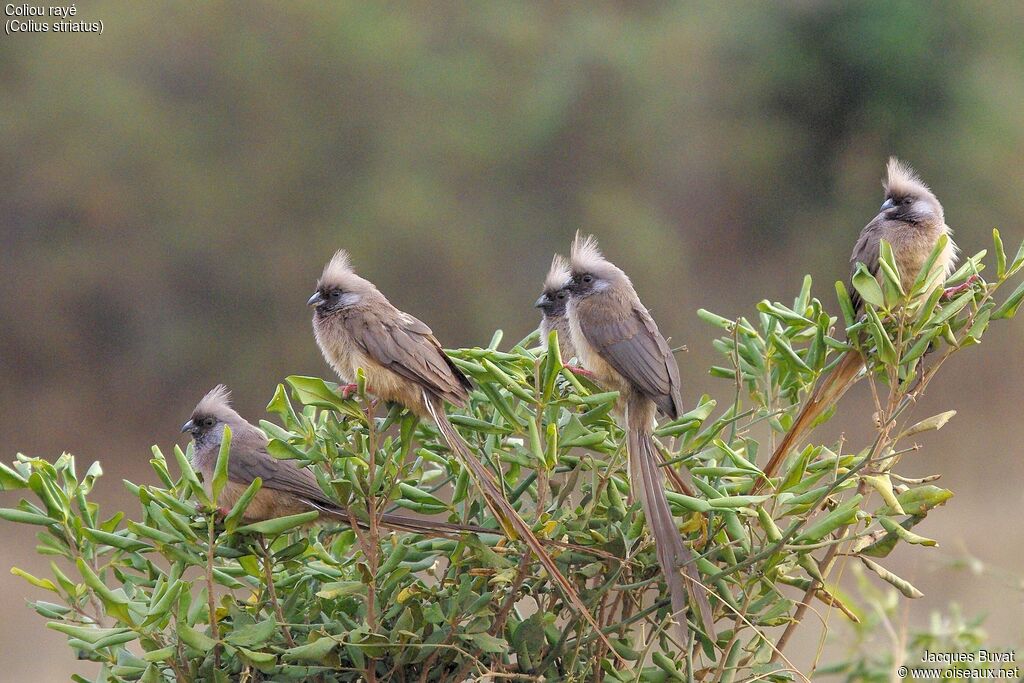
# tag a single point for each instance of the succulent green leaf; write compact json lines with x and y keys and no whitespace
{"x":867,"y":286}
{"x":279,"y":525}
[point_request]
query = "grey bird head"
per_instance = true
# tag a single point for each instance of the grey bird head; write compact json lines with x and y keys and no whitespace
{"x":556,"y":289}
{"x":590,"y":273}
{"x":206,"y":425}
{"x":339,"y":288}
{"x":907,"y":198}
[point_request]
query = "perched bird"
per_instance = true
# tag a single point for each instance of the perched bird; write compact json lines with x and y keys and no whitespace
{"x":357,"y":327}
{"x":286,"y":488}
{"x":617,"y":340}
{"x":910,"y":219}
{"x":552,"y":303}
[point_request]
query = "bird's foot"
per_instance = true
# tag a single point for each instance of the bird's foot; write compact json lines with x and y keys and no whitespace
{"x":581,"y":372}
{"x":963,"y":287}
{"x":347,"y":390}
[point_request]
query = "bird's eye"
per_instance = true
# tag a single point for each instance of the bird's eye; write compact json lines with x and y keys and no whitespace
{"x":587,"y":279}
{"x":561,"y":296}
{"x":335,"y":293}
{"x":907,"y":201}
{"x":208,"y":422}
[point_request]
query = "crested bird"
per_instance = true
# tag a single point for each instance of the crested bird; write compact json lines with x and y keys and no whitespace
{"x":912,"y":221}
{"x":356,"y":327}
{"x":286,"y":489}
{"x":618,"y":341}
{"x":552,"y":303}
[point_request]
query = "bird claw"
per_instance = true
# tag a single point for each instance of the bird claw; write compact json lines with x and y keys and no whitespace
{"x":963,"y":287}
{"x":347,"y":390}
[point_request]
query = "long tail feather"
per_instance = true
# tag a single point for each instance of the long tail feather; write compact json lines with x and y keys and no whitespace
{"x":415,"y":525}
{"x":430,"y":526}
{"x":435,"y":527}
{"x":678,"y":563}
{"x":503,"y":510}
{"x":828,"y":391}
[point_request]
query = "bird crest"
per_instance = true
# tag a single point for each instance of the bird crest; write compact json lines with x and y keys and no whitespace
{"x":216,"y":399}
{"x":337,"y":269}
{"x":558,"y":275}
{"x":902,"y":180}
{"x":585,"y":255}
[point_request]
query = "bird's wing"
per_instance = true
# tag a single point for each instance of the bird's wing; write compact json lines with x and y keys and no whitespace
{"x":866,"y":251}
{"x":279,"y":475}
{"x":636,"y":349}
{"x":406,"y":346}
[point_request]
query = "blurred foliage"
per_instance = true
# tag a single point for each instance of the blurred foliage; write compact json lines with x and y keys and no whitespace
{"x":185,"y":174}
{"x":182,"y":593}
{"x":875,"y":647}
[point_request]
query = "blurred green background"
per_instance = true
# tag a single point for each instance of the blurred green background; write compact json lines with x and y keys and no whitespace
{"x":170,"y":190}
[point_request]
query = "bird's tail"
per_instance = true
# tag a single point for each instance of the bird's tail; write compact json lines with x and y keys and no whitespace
{"x":828,"y":391}
{"x":414,"y":525}
{"x":503,"y":511}
{"x":430,"y":526}
{"x":678,"y":563}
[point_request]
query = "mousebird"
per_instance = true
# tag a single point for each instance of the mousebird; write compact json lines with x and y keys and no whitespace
{"x":617,"y":340}
{"x":552,"y":303}
{"x":911,"y":220}
{"x":287,"y":489}
{"x":356,"y":327}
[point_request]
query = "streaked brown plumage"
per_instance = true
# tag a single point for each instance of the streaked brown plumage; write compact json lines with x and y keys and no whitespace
{"x":286,"y":488}
{"x":357,"y":327}
{"x":911,"y":219}
{"x":617,"y":340}
{"x":552,"y":303}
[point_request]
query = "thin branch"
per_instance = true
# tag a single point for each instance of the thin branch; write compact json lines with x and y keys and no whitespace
{"x":268,"y":573}
{"x":211,"y":589}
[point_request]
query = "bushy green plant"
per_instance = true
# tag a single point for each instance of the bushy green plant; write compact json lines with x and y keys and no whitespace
{"x":180,"y":592}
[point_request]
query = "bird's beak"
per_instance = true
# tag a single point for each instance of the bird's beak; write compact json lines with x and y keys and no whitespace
{"x":541,"y":302}
{"x":316,"y":299}
{"x":887,"y":204}
{"x":188,"y":426}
